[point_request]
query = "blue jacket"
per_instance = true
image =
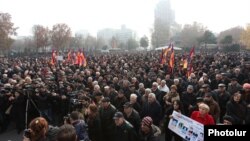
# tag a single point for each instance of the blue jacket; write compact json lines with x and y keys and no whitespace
{"x":81,"y":130}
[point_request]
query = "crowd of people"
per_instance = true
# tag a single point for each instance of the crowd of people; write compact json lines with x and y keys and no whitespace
{"x":122,"y":96}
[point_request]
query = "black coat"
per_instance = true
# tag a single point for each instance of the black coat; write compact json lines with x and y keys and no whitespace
{"x":237,"y":111}
{"x":95,"y":129}
{"x":125,"y":132}
{"x":188,"y":99}
{"x":107,"y":122}
{"x":134,"y":119}
{"x":153,"y":110}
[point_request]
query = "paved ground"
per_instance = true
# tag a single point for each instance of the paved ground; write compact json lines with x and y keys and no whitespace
{"x":11,"y":135}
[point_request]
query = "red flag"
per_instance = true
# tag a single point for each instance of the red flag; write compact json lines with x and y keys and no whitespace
{"x":69,"y":56}
{"x":171,"y":61}
{"x":164,"y":54}
{"x":163,"y":57}
{"x":84,"y":60}
{"x":53,"y":57}
{"x":185,"y":63}
{"x":78,"y":58}
{"x":190,"y":62}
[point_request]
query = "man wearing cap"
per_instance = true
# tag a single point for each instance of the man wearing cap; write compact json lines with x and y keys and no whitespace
{"x":189,"y":100}
{"x":221,"y":96}
{"x":120,"y":100}
{"x":234,"y":86}
{"x":213,"y":106}
{"x":107,"y":112}
{"x":123,"y":131}
{"x":203,"y":90}
{"x":132,"y":116}
{"x":228,"y":120}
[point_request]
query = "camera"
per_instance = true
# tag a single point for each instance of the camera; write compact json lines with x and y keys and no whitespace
{"x":27,"y":133}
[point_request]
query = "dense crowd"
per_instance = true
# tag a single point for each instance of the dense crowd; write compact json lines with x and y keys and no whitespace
{"x":123,"y":96}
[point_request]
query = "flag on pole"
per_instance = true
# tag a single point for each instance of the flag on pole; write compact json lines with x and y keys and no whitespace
{"x":83,"y":60}
{"x":78,"y":57}
{"x":190,"y":62}
{"x":171,"y":61}
{"x":69,"y":56}
{"x":164,"y":54}
{"x":53,"y":57}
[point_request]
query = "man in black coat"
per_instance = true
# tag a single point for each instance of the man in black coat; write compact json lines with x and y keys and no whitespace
{"x":152,"y":109}
{"x":124,"y":131}
{"x":107,"y":112}
{"x":132,"y":116}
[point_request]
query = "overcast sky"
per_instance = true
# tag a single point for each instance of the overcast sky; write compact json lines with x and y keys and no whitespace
{"x":92,"y":15}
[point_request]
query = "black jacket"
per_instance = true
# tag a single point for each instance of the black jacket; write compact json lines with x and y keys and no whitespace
{"x":95,"y":128}
{"x":134,"y":119}
{"x":125,"y":132}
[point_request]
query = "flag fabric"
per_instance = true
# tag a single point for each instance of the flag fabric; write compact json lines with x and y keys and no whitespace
{"x":53,"y":57}
{"x":74,"y":57}
{"x":83,"y":60}
{"x":78,"y":58}
{"x":69,"y":56}
{"x":164,"y":54}
{"x":191,"y":54}
{"x":185,"y":63}
{"x":171,"y":61}
{"x":163,"y":57}
{"x":190,"y":62}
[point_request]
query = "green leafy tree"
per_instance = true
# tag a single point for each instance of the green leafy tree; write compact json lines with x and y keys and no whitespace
{"x":190,"y":34}
{"x":208,"y":37}
{"x":132,"y":44}
{"x":227,"y":40}
{"x":144,"y":41}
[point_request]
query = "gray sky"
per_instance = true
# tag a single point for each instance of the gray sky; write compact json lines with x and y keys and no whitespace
{"x":92,"y":15}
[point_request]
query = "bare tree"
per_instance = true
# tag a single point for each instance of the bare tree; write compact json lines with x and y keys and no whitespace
{"x":6,"y":30}
{"x":90,"y":42}
{"x":41,"y":36}
{"x":60,"y":36}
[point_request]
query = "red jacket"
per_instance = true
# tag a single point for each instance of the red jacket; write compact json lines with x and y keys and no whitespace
{"x":206,"y":120}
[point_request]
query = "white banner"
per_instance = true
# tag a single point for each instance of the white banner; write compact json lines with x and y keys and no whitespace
{"x":59,"y":58}
{"x":186,"y":127}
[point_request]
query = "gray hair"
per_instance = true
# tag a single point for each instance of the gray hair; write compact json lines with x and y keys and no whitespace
{"x":153,"y":95}
{"x":148,"y":90}
{"x":133,"y":95}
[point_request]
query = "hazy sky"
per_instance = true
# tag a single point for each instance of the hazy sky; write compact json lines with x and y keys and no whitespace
{"x":92,"y":15}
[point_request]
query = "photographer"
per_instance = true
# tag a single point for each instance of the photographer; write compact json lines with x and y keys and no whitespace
{"x":43,"y":99}
{"x":80,"y":126}
{"x":39,"y":130}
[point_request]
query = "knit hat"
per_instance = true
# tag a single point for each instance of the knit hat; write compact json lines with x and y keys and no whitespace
{"x":147,"y":121}
{"x":246,"y":86}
